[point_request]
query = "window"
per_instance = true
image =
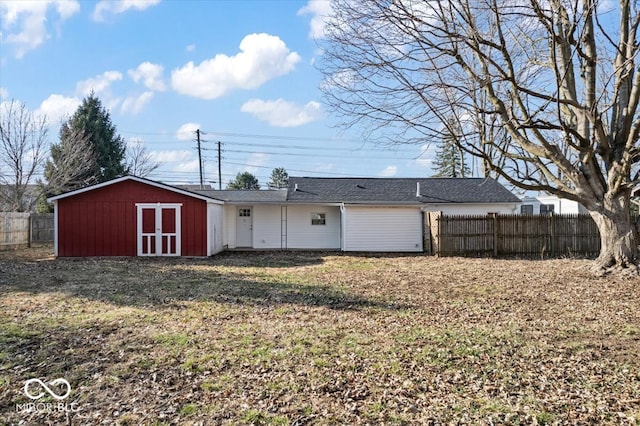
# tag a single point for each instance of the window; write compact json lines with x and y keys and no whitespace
{"x":244,"y":212}
{"x":318,"y":219}
{"x":526,"y":209}
{"x":546,"y":208}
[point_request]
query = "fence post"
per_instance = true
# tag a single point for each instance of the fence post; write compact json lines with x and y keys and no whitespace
{"x":552,"y":237}
{"x":434,"y":226}
{"x":30,"y":231}
{"x":495,"y":234}
{"x":426,"y":233}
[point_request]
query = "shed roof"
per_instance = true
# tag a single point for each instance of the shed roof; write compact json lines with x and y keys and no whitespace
{"x":398,"y":190}
{"x":141,"y":180}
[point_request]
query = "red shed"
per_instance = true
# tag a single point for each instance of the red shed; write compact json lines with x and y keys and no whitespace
{"x":132,"y":216}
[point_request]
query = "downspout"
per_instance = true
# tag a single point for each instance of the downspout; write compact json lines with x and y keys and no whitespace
{"x":343,"y":227}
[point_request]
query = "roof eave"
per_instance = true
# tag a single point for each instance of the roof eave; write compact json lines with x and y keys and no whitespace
{"x":140,"y":180}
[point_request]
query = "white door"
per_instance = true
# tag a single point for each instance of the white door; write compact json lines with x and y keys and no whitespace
{"x":244,"y":227}
{"x":158,"y":229}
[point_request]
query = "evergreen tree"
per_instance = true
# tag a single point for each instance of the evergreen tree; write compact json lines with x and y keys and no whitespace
{"x":449,"y":161}
{"x":279,"y":178}
{"x":244,"y":181}
{"x":108,"y":148}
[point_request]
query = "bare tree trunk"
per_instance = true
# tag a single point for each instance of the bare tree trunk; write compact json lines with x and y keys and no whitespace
{"x":618,"y":236}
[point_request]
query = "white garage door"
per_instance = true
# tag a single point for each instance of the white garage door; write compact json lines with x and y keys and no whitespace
{"x":383,"y":229}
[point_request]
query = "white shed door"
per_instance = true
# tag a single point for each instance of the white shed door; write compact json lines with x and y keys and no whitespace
{"x":383,"y":229}
{"x":158,"y":229}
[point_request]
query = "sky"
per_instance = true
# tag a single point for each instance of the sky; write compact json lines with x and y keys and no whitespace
{"x":242,"y":72}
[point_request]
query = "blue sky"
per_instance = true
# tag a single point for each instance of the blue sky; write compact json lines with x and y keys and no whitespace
{"x":243,"y":72}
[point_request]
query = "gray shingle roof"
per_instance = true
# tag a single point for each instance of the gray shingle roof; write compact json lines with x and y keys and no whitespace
{"x":398,"y":190}
{"x":246,"y":196}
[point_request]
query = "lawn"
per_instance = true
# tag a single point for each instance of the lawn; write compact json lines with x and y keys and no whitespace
{"x":318,"y":338}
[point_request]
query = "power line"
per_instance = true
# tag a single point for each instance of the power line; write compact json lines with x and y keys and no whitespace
{"x":280,"y":137}
{"x":292,"y":154}
{"x":294,"y":170}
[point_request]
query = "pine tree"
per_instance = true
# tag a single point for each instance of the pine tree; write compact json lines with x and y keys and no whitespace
{"x":108,"y":148}
{"x":449,"y":161}
{"x":279,"y":178}
{"x":244,"y":181}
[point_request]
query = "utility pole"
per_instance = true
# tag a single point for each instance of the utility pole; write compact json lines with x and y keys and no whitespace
{"x":200,"y":159}
{"x":219,"y":166}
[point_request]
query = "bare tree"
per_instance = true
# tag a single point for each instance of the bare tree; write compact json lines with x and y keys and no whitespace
{"x":139,"y":160}
{"x":71,"y":163}
{"x":23,"y":140}
{"x":559,"y":77}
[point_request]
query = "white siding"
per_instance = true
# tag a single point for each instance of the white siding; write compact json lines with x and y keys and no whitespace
{"x":215,"y":221}
{"x":266,"y":227}
{"x":473,"y":209}
{"x":229,"y":226}
{"x":301,"y":234}
{"x":560,"y":205}
{"x":383,"y":229}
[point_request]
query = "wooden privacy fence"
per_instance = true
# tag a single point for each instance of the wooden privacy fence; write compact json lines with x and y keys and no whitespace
{"x":519,"y":235}
{"x":23,"y":229}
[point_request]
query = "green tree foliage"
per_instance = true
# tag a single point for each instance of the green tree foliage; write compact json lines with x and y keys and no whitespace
{"x":107,"y":161}
{"x":449,"y":161}
{"x":279,"y":178}
{"x":244,"y":181}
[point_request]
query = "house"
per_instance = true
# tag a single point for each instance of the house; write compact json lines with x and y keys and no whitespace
{"x":550,"y":204}
{"x":131,"y":216}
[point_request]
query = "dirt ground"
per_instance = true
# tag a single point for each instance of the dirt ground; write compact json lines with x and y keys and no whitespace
{"x":316,"y":338}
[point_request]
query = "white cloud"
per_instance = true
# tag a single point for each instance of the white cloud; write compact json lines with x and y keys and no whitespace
{"x":188,"y":166}
{"x":58,"y":108}
{"x":320,"y":11}
{"x":114,"y":7}
{"x":256,"y":161}
{"x":424,"y":158}
{"x":4,"y":93}
{"x":172,"y":156}
{"x":134,"y":104}
{"x":262,"y":57}
{"x":150,"y":75}
{"x":99,"y":84}
{"x":190,"y":48}
{"x":281,"y":113}
{"x":187,"y":131}
{"x":389,"y":171}
{"x":23,"y":24}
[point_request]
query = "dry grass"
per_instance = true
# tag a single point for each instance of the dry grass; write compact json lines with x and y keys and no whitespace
{"x":304,"y":338}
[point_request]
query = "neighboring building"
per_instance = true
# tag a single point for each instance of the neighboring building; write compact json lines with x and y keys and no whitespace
{"x":132,"y":216}
{"x":30,"y":199}
{"x":550,"y":204}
